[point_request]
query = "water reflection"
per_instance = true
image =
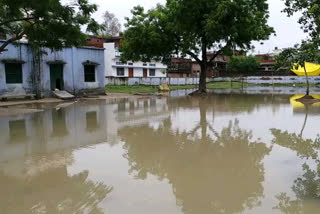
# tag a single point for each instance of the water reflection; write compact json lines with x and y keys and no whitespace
{"x":307,"y":186}
{"x":306,"y":189}
{"x":219,"y":154}
{"x":218,"y":173}
{"x":51,"y":190}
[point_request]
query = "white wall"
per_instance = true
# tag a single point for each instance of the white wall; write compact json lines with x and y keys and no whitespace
{"x":111,"y":65}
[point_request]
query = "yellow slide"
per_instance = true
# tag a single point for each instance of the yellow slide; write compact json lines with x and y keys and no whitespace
{"x":312,"y":70}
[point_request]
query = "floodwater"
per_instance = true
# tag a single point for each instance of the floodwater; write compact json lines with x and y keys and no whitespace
{"x":225,"y":153}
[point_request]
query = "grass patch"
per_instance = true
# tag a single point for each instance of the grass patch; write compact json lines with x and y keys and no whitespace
{"x":153,"y":89}
{"x":131,"y":89}
{"x":212,"y":85}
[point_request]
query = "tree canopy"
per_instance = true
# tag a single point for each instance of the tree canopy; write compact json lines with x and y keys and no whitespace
{"x":112,"y":25}
{"x":191,"y":27}
{"x":297,"y":56}
{"x":244,"y":64}
{"x":310,"y":18}
{"x":47,"y":23}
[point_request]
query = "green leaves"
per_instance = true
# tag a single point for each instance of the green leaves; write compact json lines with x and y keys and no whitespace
{"x":244,"y":64}
{"x":184,"y":26}
{"x":307,"y":51}
{"x":310,"y":19}
{"x":47,"y":23}
{"x":192,"y":27}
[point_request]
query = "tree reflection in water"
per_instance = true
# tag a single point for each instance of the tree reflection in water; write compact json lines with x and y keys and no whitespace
{"x":220,"y":174}
{"x":51,"y":191}
{"x":306,"y":187}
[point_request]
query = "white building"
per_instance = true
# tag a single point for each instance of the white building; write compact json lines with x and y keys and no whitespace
{"x":115,"y":68}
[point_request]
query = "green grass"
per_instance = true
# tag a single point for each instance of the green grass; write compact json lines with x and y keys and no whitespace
{"x":153,"y":89}
{"x":131,"y":89}
{"x":213,"y":85}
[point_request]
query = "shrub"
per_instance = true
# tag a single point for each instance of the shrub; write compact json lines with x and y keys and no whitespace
{"x":244,"y":64}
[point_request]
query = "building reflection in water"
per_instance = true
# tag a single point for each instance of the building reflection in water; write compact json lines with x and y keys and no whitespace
{"x":36,"y":150}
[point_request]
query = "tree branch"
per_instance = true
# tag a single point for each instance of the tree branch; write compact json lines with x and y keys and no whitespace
{"x":215,"y":55}
{"x":6,"y":43}
{"x":194,"y":56}
{"x":17,"y":20}
{"x":219,"y":52}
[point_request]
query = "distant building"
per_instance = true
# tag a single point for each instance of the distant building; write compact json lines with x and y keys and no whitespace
{"x":76,"y":70}
{"x":267,"y":62}
{"x":180,"y":67}
{"x":95,"y":41}
{"x":116,"y":68}
{"x":189,"y":68}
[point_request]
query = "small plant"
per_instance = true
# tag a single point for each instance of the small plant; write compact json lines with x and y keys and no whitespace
{"x":244,"y":64}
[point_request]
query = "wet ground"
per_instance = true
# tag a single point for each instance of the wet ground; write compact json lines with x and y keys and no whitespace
{"x":225,"y":153}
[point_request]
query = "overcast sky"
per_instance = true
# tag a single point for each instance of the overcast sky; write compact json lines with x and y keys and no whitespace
{"x":287,"y":29}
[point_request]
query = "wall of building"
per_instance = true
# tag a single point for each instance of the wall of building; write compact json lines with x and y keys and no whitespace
{"x":73,"y":70}
{"x":22,"y":53}
{"x":112,"y":56}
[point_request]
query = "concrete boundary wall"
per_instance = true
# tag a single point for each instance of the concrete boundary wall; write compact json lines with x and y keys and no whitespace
{"x":151,"y":81}
{"x":271,"y":79}
{"x":194,"y":81}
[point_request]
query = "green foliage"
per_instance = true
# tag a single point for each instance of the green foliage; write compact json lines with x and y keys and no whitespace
{"x":244,"y":64}
{"x":307,"y":51}
{"x":310,"y":18}
{"x":191,"y":27}
{"x":47,"y":23}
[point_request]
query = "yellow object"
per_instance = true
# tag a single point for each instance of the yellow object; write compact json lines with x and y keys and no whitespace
{"x":296,"y":105}
{"x":312,"y":69}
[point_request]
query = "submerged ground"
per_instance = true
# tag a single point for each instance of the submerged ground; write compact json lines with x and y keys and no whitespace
{"x":224,"y":153}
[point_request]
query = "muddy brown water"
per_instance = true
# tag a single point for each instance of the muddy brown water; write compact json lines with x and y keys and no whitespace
{"x":223,"y":153}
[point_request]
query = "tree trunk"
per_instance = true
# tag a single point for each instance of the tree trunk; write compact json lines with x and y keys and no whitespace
{"x":203,"y":76}
{"x":36,"y":64}
{"x":307,"y":80}
{"x":203,"y":65}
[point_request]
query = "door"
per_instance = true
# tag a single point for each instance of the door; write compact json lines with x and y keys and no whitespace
{"x":130,"y":72}
{"x":56,"y":76}
{"x":145,"y":72}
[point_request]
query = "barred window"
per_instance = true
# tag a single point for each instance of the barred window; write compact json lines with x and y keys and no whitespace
{"x":89,"y":73}
{"x":152,"y":72}
{"x":13,"y":73}
{"x":120,"y":71}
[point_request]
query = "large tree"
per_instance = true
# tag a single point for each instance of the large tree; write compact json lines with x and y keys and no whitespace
{"x":192,"y":27}
{"x":112,"y":25}
{"x":47,"y":23}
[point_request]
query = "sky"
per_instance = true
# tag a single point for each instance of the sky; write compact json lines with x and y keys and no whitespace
{"x":287,"y":29}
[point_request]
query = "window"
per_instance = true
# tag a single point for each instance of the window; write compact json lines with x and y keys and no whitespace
{"x":120,"y":71}
{"x":145,"y":64}
{"x":89,"y":73}
{"x":13,"y":73}
{"x":153,"y":65}
{"x":130,"y":63}
{"x":119,"y":63}
{"x":152,"y":72}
